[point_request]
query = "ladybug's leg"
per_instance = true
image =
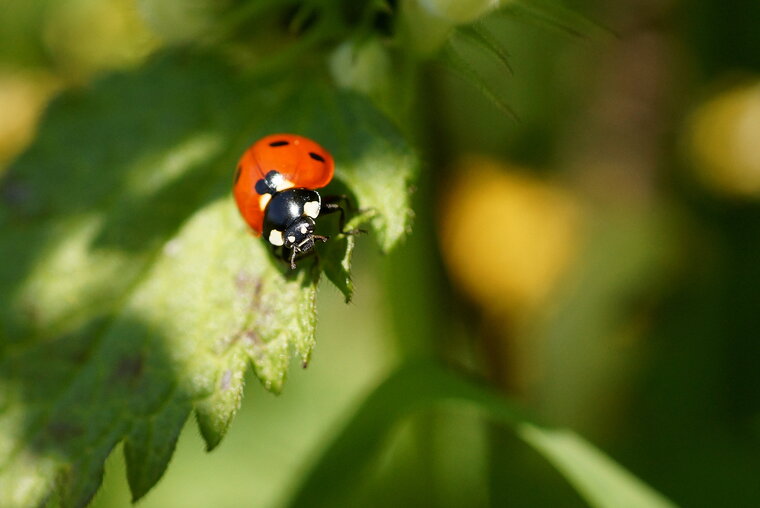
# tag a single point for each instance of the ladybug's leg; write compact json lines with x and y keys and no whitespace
{"x":332,"y":204}
{"x":290,"y":257}
{"x":315,"y":251}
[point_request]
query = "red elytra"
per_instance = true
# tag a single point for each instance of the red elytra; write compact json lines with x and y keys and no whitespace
{"x":301,"y":161}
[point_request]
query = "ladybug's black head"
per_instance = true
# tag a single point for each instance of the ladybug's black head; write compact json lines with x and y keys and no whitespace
{"x":289,"y":222}
{"x":300,"y":235}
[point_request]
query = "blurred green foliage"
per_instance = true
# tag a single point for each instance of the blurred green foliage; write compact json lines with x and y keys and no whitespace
{"x":131,"y":295}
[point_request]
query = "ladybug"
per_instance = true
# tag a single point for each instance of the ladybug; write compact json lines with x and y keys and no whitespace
{"x":275,"y":190}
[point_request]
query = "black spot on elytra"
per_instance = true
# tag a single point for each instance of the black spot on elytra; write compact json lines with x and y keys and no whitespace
{"x":237,"y":174}
{"x":266,"y":185}
{"x":316,"y":157}
{"x":262,"y":187}
{"x":279,"y":143}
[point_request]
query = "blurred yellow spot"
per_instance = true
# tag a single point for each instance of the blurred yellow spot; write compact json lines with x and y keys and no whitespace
{"x":89,"y":35}
{"x":506,"y":236}
{"x":22,"y":98}
{"x":724,"y":140}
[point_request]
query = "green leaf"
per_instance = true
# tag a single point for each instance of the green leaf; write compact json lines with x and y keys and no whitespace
{"x":418,"y":385}
{"x":555,"y":15}
{"x":150,"y":444}
{"x":131,"y":292}
{"x":338,"y":254}
{"x":452,"y":56}
{"x":215,"y":412}
{"x":479,"y":35}
{"x":600,"y":480}
{"x":182,"y":21}
{"x":467,"y":40}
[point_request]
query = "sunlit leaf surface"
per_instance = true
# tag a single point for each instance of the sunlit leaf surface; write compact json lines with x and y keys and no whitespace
{"x":131,"y":293}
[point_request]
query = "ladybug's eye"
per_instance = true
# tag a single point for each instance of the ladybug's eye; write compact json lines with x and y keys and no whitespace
{"x":279,"y":143}
{"x":316,"y":157}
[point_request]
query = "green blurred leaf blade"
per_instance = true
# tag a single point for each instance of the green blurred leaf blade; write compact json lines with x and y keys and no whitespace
{"x":417,"y":385}
{"x":555,"y":15}
{"x":150,"y":445}
{"x":601,"y":481}
{"x":454,"y":58}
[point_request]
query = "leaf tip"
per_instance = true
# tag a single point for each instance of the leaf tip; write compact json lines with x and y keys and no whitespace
{"x":212,"y":432}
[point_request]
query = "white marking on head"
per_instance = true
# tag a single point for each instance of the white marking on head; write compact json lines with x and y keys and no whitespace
{"x":304,"y":229}
{"x":291,"y":239}
{"x":264,"y":200}
{"x":275,"y":238}
{"x":311,"y":209}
